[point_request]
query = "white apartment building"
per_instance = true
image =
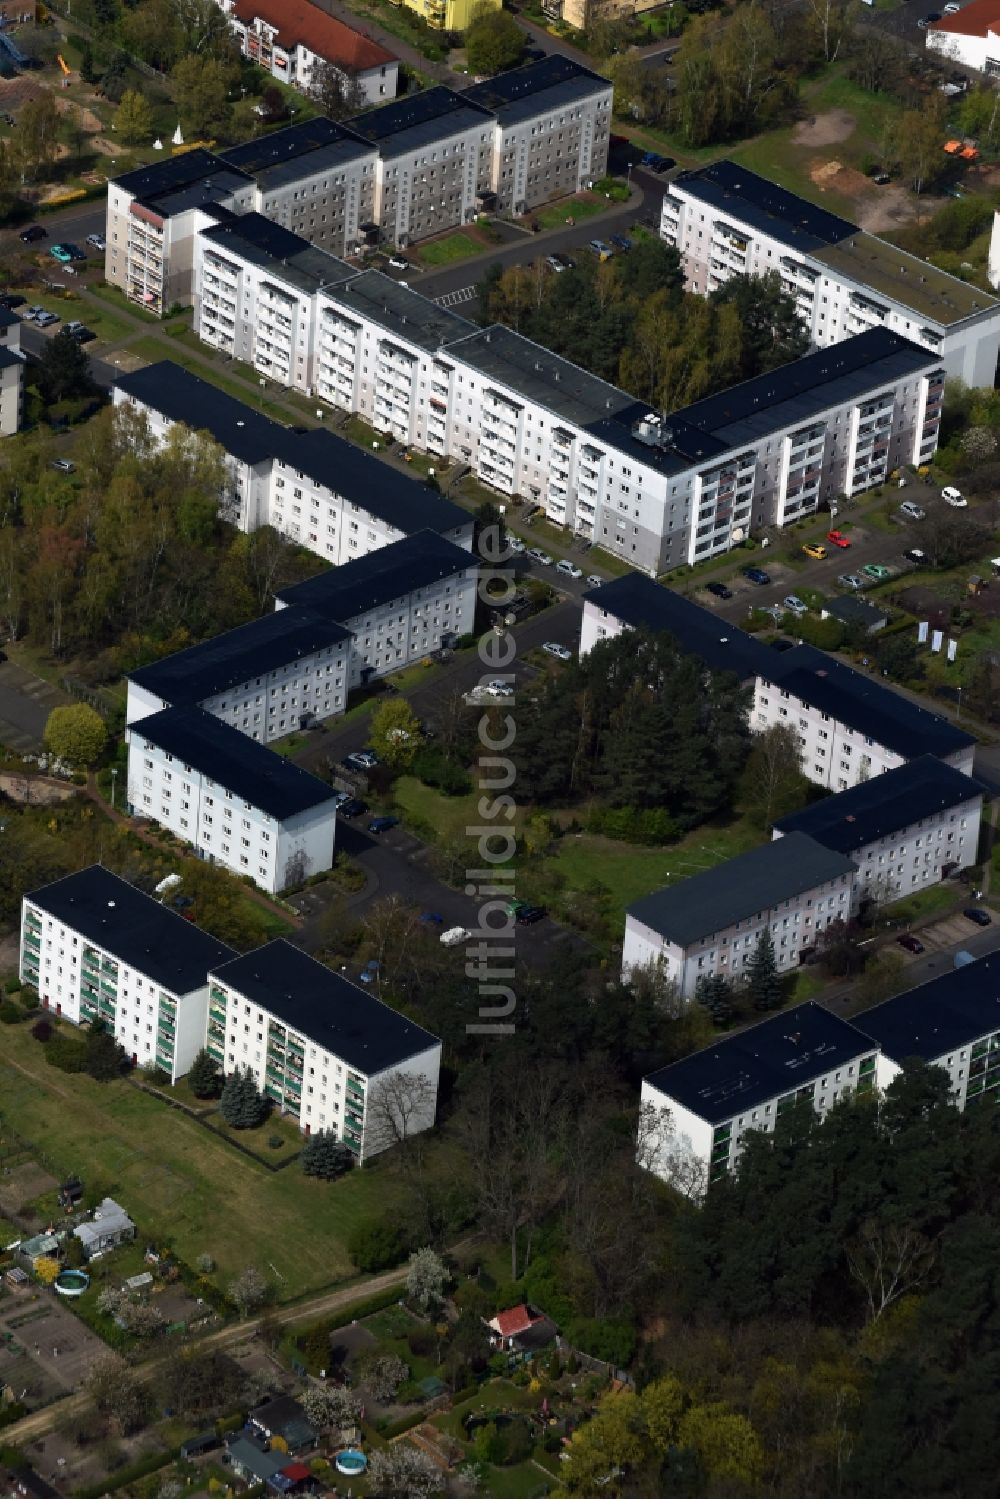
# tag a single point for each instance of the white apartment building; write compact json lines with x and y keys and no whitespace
{"x":317,"y":489}
{"x":552,"y":131}
{"x":11,"y":374}
{"x":399,"y":603}
{"x":851,"y":727}
{"x":235,"y":802}
{"x":970,"y":37}
{"x":905,"y":830}
{"x":288,"y":38}
{"x":325,"y":1050}
{"x":726,"y":221}
{"x":283,"y":672}
{"x":952,"y":1022}
{"x":711,"y":923}
{"x":702,"y":1107}
{"x":96,"y":948}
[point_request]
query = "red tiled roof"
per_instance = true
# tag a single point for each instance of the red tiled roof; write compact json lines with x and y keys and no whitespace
{"x":298,"y":21}
{"x":510,"y":1323}
{"x":975,"y":19}
{"x":297,"y":1472}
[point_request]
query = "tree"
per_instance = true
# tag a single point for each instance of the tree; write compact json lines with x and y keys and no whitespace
{"x":242,"y":1105}
{"x":137,"y":1317}
{"x":403,"y":1472}
{"x":134,"y":118}
{"x":104,"y":1059}
{"x":489,"y":522}
{"x":426,"y":1278}
{"x":714,"y":991}
{"x":63,"y":371}
{"x":325,"y":1156}
{"x":248,"y":1291}
{"x":770,"y":329}
{"x":204,"y":1077}
{"x":888,"y":1260}
{"x":382,"y":1374}
{"x":116,"y":1390}
{"x":764,"y":984}
{"x":336,"y":94}
{"x":726,"y":1443}
{"x":201,"y":88}
{"x":493,"y":41}
{"x":609,"y":1446}
{"x":35,"y":137}
{"x":331,"y":1405}
{"x":394,"y":733}
{"x":920,"y":143}
{"x":377,"y":1244}
{"x":772,"y":782}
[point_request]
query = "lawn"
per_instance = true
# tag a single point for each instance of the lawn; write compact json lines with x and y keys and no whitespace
{"x":629,"y":871}
{"x":449,"y":249}
{"x":554,"y":215}
{"x":448,"y":816}
{"x":182,"y":1183}
{"x":922,"y":905}
{"x":118,"y":299}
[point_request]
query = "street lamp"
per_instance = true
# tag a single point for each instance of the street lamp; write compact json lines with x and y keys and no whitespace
{"x":114,"y":777}
{"x":262,"y":384}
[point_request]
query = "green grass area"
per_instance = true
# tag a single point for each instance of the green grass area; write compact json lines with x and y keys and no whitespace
{"x":116,"y":298}
{"x":278,"y":1128}
{"x":923,"y":905}
{"x":628,"y":870}
{"x":289,"y":746}
{"x":554,"y":215}
{"x":182,"y":1183}
{"x":449,"y":816}
{"x":415,"y":675}
{"x":448,"y":250}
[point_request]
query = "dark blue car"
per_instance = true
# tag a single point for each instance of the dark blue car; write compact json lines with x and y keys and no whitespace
{"x":756,"y":575}
{"x":382,"y":824}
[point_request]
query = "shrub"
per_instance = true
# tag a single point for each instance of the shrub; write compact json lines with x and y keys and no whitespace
{"x":613,"y":1341}
{"x":13,"y":984}
{"x":66,"y":1054}
{"x":42,"y":1030}
{"x":421,"y":1341}
{"x":377,"y":1245}
{"x":432,"y":766}
{"x":10,"y":1013}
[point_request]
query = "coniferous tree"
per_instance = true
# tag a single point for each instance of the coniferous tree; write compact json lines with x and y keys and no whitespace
{"x":242,"y":1105}
{"x":204,"y":1078}
{"x":325,"y":1156}
{"x":715,"y":992}
{"x":763,"y":980}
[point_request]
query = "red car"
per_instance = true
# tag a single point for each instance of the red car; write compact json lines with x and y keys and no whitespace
{"x":912,"y":944}
{"x":838,"y":538}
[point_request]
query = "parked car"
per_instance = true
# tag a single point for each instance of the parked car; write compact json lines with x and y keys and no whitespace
{"x":515,"y":544}
{"x":32,"y":233}
{"x":562,"y":652}
{"x":453,"y":936}
{"x":566,"y":262}
{"x":954,"y":497}
{"x":814,"y":550}
{"x":794,"y":604}
{"x":340,"y":797}
{"x":353,"y":807}
{"x":45,"y":319}
{"x":382,"y":824}
{"x":98,"y":242}
{"x":916,"y":556}
{"x":74,"y":251}
{"x":876,"y":570}
{"x":978,"y":915}
{"x":84,"y":335}
{"x":432,"y":918}
{"x":719,"y":590}
{"x":912,"y":944}
{"x":555,"y":264}
{"x":31,"y":313}
{"x":535,"y":554}
{"x":912,"y":510}
{"x":756,"y":575}
{"x":62,"y":466}
{"x":851,"y":580}
{"x":399,"y":262}
{"x":595,"y":581}
{"x":361,"y":760}
{"x":568,"y":569}
{"x":499,"y":688}
{"x":664,"y":163}
{"x":60,"y":253}
{"x":621,"y":242}
{"x":838,"y":538}
{"x":601,"y":249}
{"x":528,"y":915}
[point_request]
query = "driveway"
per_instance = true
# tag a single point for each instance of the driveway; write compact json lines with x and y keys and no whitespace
{"x":25,"y":703}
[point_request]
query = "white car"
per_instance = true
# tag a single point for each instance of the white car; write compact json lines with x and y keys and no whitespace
{"x":569,"y":569}
{"x":562,"y":652}
{"x":453,"y":936}
{"x":794,"y":604}
{"x":595,"y":582}
{"x":97,"y":241}
{"x":399,"y":262}
{"x":499,"y":688}
{"x":515,"y":544}
{"x":537,"y":555}
{"x":954,"y":497}
{"x":911,"y":510}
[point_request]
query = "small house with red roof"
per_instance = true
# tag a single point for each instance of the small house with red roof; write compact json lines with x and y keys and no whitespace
{"x":521,"y":1329}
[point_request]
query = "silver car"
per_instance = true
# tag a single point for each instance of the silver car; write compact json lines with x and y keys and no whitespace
{"x":561,"y":652}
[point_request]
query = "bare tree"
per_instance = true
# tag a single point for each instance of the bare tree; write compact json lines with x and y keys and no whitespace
{"x":658,"y":1150}
{"x":405,"y":1473}
{"x":400,"y":1106}
{"x":116,"y":1391}
{"x":888,"y":1260}
{"x":248,"y":1290}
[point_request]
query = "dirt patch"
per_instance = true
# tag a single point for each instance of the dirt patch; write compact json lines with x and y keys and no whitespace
{"x":824,"y":130}
{"x":86,"y":118}
{"x":23,"y":1184}
{"x":886,"y":208}
{"x":105,"y":147}
{"x":17,"y":91}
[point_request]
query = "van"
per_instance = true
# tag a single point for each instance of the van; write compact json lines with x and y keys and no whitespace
{"x":911,"y":510}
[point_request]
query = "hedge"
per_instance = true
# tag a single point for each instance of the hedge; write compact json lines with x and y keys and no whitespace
{"x":139,"y":1469}
{"x":405,"y":1423}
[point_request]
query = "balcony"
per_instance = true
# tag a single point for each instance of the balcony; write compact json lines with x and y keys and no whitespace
{"x":356,"y":1088}
{"x":31,"y":940}
{"x":219,"y":1016}
{"x":214,"y":1049}
{"x":166,"y":1063}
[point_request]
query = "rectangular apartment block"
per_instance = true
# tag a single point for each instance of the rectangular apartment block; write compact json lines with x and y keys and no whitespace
{"x":726,"y":221}
{"x":325,"y":1050}
{"x":711,"y":923}
{"x":235,"y":802}
{"x":96,"y":948}
{"x":701,"y":1107}
{"x":908,"y":828}
{"x":316,"y":488}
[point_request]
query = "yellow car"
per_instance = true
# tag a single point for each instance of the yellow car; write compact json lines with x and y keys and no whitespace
{"x":813,"y":549}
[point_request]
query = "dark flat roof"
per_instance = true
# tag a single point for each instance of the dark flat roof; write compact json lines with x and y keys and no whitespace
{"x":206,"y":195}
{"x":536,"y":373}
{"x":7,"y":318}
{"x":417,"y":120}
{"x":402,"y":501}
{"x":539,"y":87}
{"x":862,"y":703}
{"x":252,"y":650}
{"x":940,"y":1016}
{"x":248,"y":769}
{"x":173,"y":172}
{"x":295,"y":152}
{"x":9,"y":357}
{"x":325,"y":1008}
{"x":884,"y":805}
{"x":645,"y":605}
{"x":848,"y":608}
{"x":146,"y":935}
{"x":400,"y":310}
{"x":739,"y":889}
{"x":765,"y":206}
{"x":767,"y":1061}
{"x":268,"y":245}
{"x":392,"y":572}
